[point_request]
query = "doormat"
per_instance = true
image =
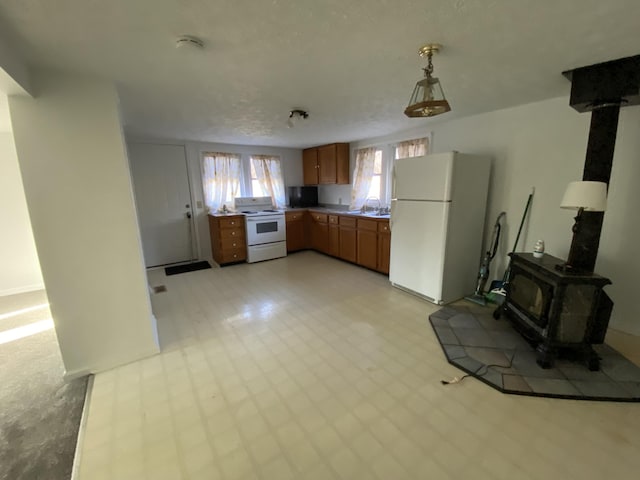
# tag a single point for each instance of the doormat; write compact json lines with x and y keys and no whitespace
{"x":496,"y":354}
{"x":189,"y":267}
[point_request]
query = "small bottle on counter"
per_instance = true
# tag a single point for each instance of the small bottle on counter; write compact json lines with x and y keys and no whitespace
{"x":538,"y":249}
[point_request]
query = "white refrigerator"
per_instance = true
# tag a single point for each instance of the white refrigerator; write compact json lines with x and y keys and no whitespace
{"x":438,"y":210}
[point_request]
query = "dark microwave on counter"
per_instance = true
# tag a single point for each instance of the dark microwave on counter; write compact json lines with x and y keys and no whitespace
{"x":303,"y":196}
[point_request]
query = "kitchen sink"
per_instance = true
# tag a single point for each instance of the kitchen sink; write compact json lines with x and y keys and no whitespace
{"x":367,"y":214}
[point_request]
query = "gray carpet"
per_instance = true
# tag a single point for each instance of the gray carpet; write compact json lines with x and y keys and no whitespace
{"x":40,"y":412}
{"x":472,"y":341}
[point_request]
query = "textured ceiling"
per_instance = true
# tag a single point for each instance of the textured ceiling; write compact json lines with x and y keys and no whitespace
{"x":351,"y":64}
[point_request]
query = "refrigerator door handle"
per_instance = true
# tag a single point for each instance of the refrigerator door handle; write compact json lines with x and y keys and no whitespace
{"x":391,"y":212}
{"x":393,"y":180}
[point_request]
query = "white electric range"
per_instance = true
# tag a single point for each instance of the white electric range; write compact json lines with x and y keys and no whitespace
{"x":266,"y":228}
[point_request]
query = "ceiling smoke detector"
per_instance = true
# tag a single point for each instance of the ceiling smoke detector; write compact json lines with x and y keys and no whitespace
{"x":189,"y":41}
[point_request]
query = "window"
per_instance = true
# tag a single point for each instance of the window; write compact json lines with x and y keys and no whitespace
{"x":365,"y":182}
{"x":266,"y":178}
{"x":372,"y":177}
{"x":256,"y":189}
{"x":376,"y":177}
{"x":220,"y":179}
{"x":412,"y":148}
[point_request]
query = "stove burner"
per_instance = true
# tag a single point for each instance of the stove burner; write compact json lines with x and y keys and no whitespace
{"x":248,"y":211}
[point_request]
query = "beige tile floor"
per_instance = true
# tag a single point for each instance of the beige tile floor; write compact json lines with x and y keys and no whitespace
{"x":310,"y":368}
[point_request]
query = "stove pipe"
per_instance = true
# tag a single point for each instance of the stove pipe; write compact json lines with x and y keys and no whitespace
{"x":600,"y":89}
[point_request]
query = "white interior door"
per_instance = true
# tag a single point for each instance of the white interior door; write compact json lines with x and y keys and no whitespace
{"x":163,"y":201}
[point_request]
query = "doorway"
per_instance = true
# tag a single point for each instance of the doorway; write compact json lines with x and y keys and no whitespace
{"x":163,"y":201}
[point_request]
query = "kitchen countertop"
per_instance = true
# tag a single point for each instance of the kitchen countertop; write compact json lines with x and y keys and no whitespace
{"x":329,"y":211}
{"x":351,"y":213}
{"x":230,"y":214}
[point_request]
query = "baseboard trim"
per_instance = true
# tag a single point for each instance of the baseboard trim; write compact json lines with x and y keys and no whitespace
{"x":81,"y":430}
{"x":24,"y":289}
{"x":71,"y":374}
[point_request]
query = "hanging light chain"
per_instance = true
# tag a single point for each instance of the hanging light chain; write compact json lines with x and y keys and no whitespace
{"x":428,"y":70}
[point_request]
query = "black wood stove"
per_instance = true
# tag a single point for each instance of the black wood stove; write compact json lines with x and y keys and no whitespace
{"x":559,"y":313}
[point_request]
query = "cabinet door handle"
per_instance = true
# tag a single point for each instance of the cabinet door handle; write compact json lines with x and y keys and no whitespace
{"x":233,"y":233}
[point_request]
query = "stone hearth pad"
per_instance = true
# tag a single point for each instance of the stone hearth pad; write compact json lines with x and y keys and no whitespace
{"x":494,"y":353}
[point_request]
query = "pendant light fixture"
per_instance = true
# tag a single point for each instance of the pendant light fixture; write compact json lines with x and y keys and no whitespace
{"x":427,"y":99}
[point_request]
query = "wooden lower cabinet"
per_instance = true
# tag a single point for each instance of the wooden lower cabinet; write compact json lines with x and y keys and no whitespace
{"x":348,"y":239}
{"x":228,"y":239}
{"x":319,"y":232}
{"x":334,"y":238}
{"x":360,"y":240}
{"x":296,"y":238}
{"x":367,"y":243}
{"x":384,"y":247}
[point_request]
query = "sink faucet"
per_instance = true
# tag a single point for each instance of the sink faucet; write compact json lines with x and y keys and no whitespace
{"x":365,"y":205}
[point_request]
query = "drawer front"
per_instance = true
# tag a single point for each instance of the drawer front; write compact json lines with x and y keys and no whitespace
{"x":293,"y":217}
{"x":348,"y":222}
{"x":383,"y":227}
{"x":233,"y":255}
{"x":367,"y":224}
{"x":237,"y":233}
{"x":231,"y":222}
{"x":232,"y":243}
{"x":333,"y":219}
{"x":319,"y":217}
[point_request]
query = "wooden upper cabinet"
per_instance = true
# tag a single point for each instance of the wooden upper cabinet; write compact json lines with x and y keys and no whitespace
{"x":310,"y":166}
{"x":342,"y":164}
{"x":327,"y":164}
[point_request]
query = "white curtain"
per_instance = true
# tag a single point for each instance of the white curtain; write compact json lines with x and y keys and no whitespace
{"x":269,"y":175}
{"x":412,"y":148}
{"x":220,"y":180}
{"x":365,"y":159}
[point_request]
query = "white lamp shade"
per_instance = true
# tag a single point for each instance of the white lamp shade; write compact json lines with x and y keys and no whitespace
{"x":590,"y":196}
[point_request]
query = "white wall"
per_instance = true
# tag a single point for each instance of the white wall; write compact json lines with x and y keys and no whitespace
{"x":543,"y":145}
{"x":20,"y":271}
{"x":77,"y":184}
{"x":291,"y":170}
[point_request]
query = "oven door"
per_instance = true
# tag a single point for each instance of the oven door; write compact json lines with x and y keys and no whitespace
{"x":265,"y":229}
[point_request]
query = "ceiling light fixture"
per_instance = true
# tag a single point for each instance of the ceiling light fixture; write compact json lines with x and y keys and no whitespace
{"x":296,"y":115}
{"x":427,"y":99}
{"x":189,"y":41}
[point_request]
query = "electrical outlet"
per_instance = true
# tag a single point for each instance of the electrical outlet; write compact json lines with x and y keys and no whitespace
{"x":339,"y":200}
{"x":199,"y":204}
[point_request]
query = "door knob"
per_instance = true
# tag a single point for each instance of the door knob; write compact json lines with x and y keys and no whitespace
{"x":188,"y":214}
